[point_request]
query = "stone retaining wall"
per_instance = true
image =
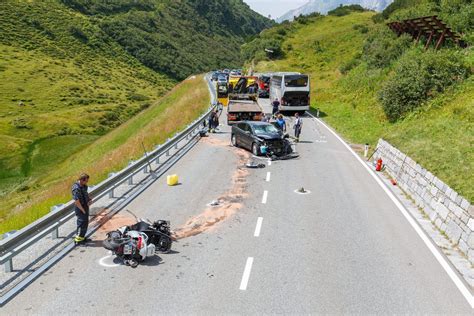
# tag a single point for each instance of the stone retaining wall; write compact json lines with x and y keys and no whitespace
{"x":449,"y":211}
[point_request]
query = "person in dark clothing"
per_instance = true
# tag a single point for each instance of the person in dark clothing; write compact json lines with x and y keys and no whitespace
{"x":213,"y":121}
{"x":298,"y":126}
{"x":275,"y":107}
{"x":81,"y":207}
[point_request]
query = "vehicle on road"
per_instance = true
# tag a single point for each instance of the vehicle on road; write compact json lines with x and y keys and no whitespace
{"x":260,"y":138}
{"x":222,"y":89}
{"x":214,"y":76}
{"x":292,"y":90}
{"x":136,"y":242}
{"x":263,"y":86}
{"x":222,"y":78}
{"x":243,"y":110}
{"x":243,"y":88}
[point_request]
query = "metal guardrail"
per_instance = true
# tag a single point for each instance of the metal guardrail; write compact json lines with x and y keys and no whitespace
{"x":27,"y":236}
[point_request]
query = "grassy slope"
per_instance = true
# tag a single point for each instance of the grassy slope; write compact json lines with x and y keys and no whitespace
{"x":440,"y":136}
{"x":72,"y":91}
{"x":108,"y":153}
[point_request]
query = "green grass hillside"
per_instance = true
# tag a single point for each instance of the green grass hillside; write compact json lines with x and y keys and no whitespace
{"x":177,"y":37}
{"x":59,"y":94}
{"x":100,"y":156}
{"x":438,"y":131}
{"x":74,"y":73}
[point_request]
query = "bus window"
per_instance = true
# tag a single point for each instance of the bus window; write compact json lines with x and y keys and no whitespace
{"x":296,"y":81}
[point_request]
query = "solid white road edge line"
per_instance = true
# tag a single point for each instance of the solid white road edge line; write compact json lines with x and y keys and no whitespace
{"x":264,"y":197}
{"x":258,"y":227}
{"x":434,"y":250}
{"x":246,"y":275}
{"x":268,"y":176}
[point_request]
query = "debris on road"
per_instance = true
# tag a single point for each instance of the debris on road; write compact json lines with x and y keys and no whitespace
{"x":214,"y":203}
{"x":172,"y":180}
{"x":254,"y":165}
{"x":302,"y":190}
{"x":229,"y":204}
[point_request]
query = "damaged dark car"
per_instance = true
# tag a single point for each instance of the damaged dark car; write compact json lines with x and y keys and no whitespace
{"x":261,"y":138}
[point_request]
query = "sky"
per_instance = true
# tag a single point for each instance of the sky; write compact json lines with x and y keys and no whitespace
{"x":274,"y":7}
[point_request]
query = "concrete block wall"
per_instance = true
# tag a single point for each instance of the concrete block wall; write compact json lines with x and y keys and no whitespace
{"x":448,"y":210}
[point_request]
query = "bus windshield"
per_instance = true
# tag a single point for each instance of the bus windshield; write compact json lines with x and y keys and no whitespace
{"x":296,"y":81}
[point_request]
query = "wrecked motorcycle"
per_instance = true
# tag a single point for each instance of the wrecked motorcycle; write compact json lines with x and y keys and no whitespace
{"x":135,"y":243}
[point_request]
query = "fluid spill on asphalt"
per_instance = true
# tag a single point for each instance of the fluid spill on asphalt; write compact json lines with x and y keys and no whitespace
{"x":215,"y":141}
{"x":117,"y":221}
{"x":229,"y":203}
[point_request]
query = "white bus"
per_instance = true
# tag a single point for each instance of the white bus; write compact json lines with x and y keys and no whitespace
{"x":292,"y":90}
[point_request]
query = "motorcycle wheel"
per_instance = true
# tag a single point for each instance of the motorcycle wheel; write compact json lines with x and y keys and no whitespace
{"x":110,"y":244}
{"x":165,"y":245}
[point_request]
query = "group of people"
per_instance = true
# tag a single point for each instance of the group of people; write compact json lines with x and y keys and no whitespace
{"x":280,"y":120}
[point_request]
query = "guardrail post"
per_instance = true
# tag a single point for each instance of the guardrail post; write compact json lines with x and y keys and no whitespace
{"x":145,"y":169}
{"x":130,"y":180}
{"x":157,"y":160}
{"x":55,"y":232}
{"x":168,"y":153}
{"x":111,"y":193}
{"x":9,"y":266}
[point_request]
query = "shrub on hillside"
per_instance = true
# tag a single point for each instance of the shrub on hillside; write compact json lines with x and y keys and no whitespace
{"x":349,"y":64}
{"x":346,"y":10}
{"x":418,"y":76}
{"x":78,"y":33}
{"x":383,"y":47}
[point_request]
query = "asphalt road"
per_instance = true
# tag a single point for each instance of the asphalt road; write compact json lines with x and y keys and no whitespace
{"x":342,"y":248}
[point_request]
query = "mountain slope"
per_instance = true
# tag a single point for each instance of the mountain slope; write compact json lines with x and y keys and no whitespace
{"x":352,"y":62}
{"x":73,"y":71}
{"x":324,"y":6}
{"x":178,"y":37}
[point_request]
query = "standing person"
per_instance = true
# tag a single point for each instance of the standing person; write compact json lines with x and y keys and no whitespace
{"x":211,"y":121}
{"x":81,"y":207}
{"x":298,"y":125}
{"x":275,"y":107}
{"x":215,"y":120}
{"x":281,"y":123}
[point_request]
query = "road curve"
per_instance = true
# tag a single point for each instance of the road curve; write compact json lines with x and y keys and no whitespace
{"x":342,"y":248}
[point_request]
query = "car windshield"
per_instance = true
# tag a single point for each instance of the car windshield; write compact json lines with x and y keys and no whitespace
{"x":296,"y":81}
{"x":264,"y":129}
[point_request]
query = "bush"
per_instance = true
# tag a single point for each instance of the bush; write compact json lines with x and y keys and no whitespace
{"x":349,"y":65}
{"x":418,"y":76}
{"x":345,"y":10}
{"x":383,"y":47}
{"x":361,"y":28}
{"x":78,"y":33}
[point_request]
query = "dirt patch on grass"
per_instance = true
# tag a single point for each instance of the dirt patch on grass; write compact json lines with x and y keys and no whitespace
{"x":229,"y":203}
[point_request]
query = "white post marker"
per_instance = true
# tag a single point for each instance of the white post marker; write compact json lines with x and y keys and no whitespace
{"x":434,"y":249}
{"x":264,"y":197}
{"x":246,"y":275}
{"x":268,"y":176}
{"x":269,"y":162}
{"x":258,"y":228}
